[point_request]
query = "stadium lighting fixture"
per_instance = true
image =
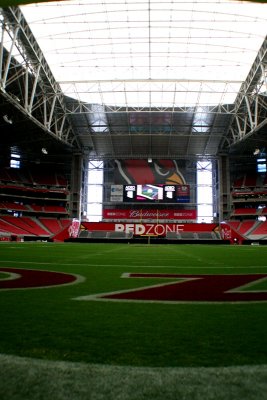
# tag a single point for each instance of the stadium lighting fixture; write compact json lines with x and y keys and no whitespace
{"x":44,"y":150}
{"x":7,"y":119}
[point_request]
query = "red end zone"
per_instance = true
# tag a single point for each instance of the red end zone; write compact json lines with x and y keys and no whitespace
{"x":195,"y":288}
{"x":182,"y":288}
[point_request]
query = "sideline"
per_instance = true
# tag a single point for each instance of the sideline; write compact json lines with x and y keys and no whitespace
{"x":34,"y":379}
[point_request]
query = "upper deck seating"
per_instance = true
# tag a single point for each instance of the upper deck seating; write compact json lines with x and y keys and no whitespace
{"x":4,"y":177}
{"x":44,"y":178}
{"x":245,"y":211}
{"x":36,"y":208}
{"x":250,"y":181}
{"x":24,"y":176}
{"x":239,"y":183}
{"x":54,"y":209}
{"x":7,"y":205}
{"x":61,"y":180}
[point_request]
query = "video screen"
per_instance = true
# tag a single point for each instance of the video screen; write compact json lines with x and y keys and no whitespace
{"x":149,"y":192}
{"x":170,"y":193}
{"x":156,"y":193}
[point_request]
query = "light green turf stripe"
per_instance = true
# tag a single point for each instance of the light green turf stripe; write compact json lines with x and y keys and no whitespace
{"x":31,"y":379}
{"x":213,"y":266}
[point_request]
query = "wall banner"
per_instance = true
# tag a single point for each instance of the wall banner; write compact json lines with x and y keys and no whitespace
{"x":142,"y":229}
{"x":143,"y":214}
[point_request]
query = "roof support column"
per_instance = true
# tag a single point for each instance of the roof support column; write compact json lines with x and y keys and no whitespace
{"x":6,"y":69}
{"x":252,"y":123}
{"x":76,"y":185}
{"x":51,"y":112}
{"x":34,"y":88}
{"x":224,"y":189}
{"x":1,"y":53}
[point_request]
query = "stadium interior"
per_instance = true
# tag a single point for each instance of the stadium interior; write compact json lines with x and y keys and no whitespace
{"x":108,"y":119}
{"x":133,"y":200}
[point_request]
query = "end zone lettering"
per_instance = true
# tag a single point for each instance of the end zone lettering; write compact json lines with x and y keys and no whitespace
{"x":149,"y":229}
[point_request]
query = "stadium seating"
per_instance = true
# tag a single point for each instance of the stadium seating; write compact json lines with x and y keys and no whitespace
{"x":250,"y":181}
{"x":234,"y":224}
{"x":11,"y":229}
{"x":13,"y":206}
{"x":260,"y":230}
{"x":36,"y":208}
{"x":30,"y":225}
{"x":246,"y":226}
{"x":43,"y":178}
{"x":51,"y":224}
{"x":54,"y":209}
{"x":238,"y":183}
{"x":32,"y":177}
{"x":64,"y":222}
{"x":245,"y":211}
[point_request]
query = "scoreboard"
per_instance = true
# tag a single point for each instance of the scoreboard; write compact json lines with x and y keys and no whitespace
{"x":154,"y":193}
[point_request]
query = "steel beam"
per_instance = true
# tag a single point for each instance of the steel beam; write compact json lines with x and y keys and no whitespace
{"x":41,"y":97}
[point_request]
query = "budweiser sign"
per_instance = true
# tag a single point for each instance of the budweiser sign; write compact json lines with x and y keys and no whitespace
{"x":150,"y":214}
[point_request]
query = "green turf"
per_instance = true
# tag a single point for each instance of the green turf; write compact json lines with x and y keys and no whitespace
{"x":28,"y":379}
{"x":3,"y":275}
{"x":48,"y":324}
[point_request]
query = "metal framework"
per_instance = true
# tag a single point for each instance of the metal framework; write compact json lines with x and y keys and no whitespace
{"x":23,"y":66}
{"x":250,"y":112}
{"x":105,"y":131}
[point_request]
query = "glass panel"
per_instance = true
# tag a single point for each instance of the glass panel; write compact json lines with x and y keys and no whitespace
{"x":94,"y":204}
{"x":204,"y":191}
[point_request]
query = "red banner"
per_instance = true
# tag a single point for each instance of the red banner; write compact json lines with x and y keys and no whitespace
{"x":155,"y":214}
{"x":146,"y":228}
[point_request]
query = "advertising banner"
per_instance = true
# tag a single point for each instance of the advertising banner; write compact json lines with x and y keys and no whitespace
{"x":182,"y":215}
{"x":147,"y":229}
{"x":116,"y":193}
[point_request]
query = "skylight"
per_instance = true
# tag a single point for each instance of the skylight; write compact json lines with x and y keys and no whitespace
{"x":133,"y":53}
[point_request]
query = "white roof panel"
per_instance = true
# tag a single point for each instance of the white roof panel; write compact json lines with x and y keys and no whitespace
{"x":146,"y":53}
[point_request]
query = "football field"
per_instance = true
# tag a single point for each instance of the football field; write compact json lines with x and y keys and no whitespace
{"x":152,"y":316}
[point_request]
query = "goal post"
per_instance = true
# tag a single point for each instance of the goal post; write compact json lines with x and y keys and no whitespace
{"x":149,"y":235}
